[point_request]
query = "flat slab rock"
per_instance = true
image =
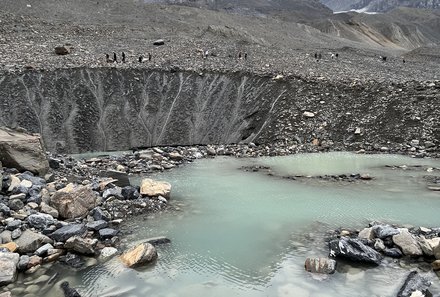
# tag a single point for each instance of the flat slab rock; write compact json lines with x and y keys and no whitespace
{"x":8,"y":267}
{"x":355,"y":250}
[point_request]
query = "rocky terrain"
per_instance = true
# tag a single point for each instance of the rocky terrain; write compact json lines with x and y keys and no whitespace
{"x":379,"y":5}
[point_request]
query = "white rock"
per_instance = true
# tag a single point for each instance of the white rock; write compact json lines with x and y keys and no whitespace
{"x":308,"y":114}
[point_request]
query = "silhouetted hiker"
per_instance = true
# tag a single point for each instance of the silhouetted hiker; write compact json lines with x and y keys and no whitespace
{"x":123,"y":57}
{"x":115,"y":58}
{"x":337,"y":55}
{"x":141,"y":59}
{"x":149,"y":56}
{"x":403,"y":61}
{"x":245,"y":56}
{"x":107,"y":58}
{"x":316,"y":56}
{"x":68,"y":291}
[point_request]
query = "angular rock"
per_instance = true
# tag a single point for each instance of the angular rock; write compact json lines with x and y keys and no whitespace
{"x":354,"y":250}
{"x":81,"y":245}
{"x":40,"y":221}
{"x":97,"y":225}
{"x":116,"y":192}
{"x":130,"y":193}
{"x":414,"y":282}
{"x":308,"y":114}
{"x":393,"y":253}
{"x":5,"y":236}
{"x":34,"y":261}
{"x":23,"y":263}
{"x":72,"y":260}
{"x":8,"y":267}
{"x":16,"y":234}
{"x":43,"y":250}
{"x":122,"y":179}
{"x":154,"y":188}
{"x":141,"y":254}
{"x":366,"y":233}
{"x":10,"y":246}
{"x":425,"y":246}
{"x":64,"y":233}
{"x":107,"y":233}
{"x":320,"y":265}
{"x":30,"y":241}
{"x":383,"y":231}
{"x":22,"y":151}
{"x":407,"y":243}
{"x":99,"y":214}
{"x":12,"y":225}
{"x":73,"y":204}
{"x":62,"y":50}
{"x":45,"y":208}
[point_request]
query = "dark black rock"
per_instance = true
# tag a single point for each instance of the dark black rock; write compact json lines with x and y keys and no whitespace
{"x":393,"y":253}
{"x":68,"y":231}
{"x":116,"y":192}
{"x":107,"y":233}
{"x":354,"y":250}
{"x":72,"y":260}
{"x":130,"y":193}
{"x":54,"y":163}
{"x":414,"y":282}
{"x":159,"y":42}
{"x":383,"y":231}
{"x":99,"y":214}
{"x":97,"y":225}
{"x":68,"y":291}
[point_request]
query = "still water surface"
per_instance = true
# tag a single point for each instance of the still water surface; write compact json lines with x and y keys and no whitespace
{"x":237,"y":233}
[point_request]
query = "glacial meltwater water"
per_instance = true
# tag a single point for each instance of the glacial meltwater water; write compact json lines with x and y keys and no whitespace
{"x":244,"y":233}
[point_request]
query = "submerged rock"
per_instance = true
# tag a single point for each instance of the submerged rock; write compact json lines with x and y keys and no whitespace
{"x":320,"y":265}
{"x":141,"y":254}
{"x":413,"y":283}
{"x":354,"y":250}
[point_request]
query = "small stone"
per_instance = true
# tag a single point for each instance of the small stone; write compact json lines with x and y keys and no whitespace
{"x":108,"y":252}
{"x":366,"y":233}
{"x":48,"y":210}
{"x":159,"y":42}
{"x":357,"y":131}
{"x":107,"y":233}
{"x":23,"y":263}
{"x":8,"y":267}
{"x":43,"y":250}
{"x":81,"y":245}
{"x":308,"y":114}
{"x":97,"y":225}
{"x":11,"y":246}
{"x":40,"y":221}
{"x":62,"y":50}
{"x":34,"y":261}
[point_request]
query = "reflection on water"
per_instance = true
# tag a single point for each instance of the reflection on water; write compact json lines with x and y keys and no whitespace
{"x":247,"y":234}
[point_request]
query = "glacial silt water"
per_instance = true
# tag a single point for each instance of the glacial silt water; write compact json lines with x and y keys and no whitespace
{"x":244,"y":233}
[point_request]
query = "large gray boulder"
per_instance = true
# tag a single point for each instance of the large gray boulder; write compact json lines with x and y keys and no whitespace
{"x":8,"y":267}
{"x":355,"y":250}
{"x":22,"y":151}
{"x":407,"y":243}
{"x":141,"y":254}
{"x":414,"y":282}
{"x":30,"y":241}
{"x":73,"y":201}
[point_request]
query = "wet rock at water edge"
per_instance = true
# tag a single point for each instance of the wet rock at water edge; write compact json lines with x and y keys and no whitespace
{"x":142,"y":254}
{"x":68,"y":231}
{"x":320,"y":265}
{"x":72,"y":260}
{"x":122,"y":179}
{"x":413,"y":283}
{"x":383,"y":231}
{"x":107,"y":233}
{"x":158,"y":240}
{"x":355,"y":250}
{"x":69,"y":291}
{"x":8,"y":267}
{"x":108,"y":252}
{"x":154,"y":188}
{"x":97,"y":225}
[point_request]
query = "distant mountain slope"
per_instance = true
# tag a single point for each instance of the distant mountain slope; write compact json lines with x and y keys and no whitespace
{"x":401,"y":28}
{"x":379,"y":5}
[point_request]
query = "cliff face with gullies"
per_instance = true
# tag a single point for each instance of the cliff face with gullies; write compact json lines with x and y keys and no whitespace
{"x":101,"y":109}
